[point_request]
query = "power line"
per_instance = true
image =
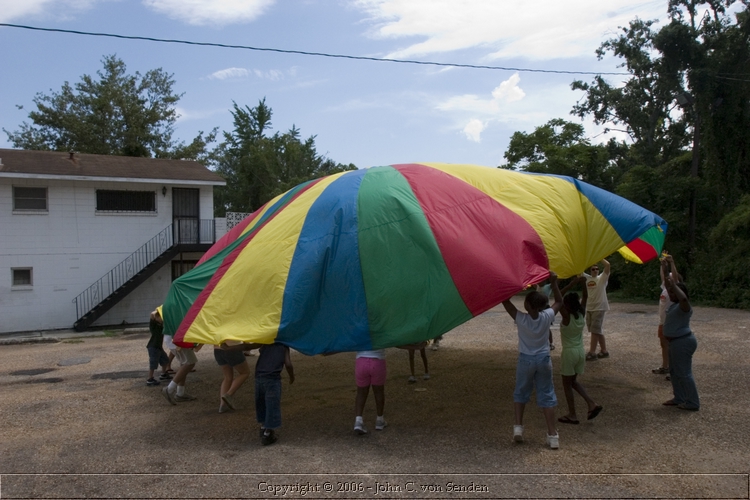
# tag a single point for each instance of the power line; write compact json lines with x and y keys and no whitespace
{"x":306,"y":53}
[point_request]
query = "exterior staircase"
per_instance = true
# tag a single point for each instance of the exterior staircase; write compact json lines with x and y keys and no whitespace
{"x":180,"y":236}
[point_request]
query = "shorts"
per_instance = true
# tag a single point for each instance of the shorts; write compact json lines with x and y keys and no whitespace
{"x":156,"y":357}
{"x":660,"y":332}
{"x":535,"y":371}
{"x":369,"y":371}
{"x":185,"y":356}
{"x":594,"y":321}
{"x":231,"y":358}
{"x":572,"y":361}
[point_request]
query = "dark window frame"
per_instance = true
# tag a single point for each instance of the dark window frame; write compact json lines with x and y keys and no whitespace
{"x":125,"y":201}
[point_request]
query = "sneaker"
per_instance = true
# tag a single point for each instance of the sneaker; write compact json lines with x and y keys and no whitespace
{"x":603,"y":355}
{"x":380,"y":424}
{"x":184,"y":397}
{"x":152,"y":382}
{"x":426,"y":376}
{"x":412,"y":379}
{"x":262,"y":432}
{"x":229,"y":401}
{"x":223,"y":408}
{"x":591,"y":357}
{"x":165,"y":376}
{"x":359,"y":428}
{"x":552,"y":347}
{"x":518,"y":433}
{"x":269,"y":437}
{"x":168,"y":396}
{"x":553,"y":441}
{"x":435,"y":345}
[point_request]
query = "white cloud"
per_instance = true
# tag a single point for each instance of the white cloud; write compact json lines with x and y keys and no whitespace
{"x":473,"y":130}
{"x":210,"y":12}
{"x":14,"y":9}
{"x":507,"y":92}
{"x":228,"y":73}
{"x":534,"y":29}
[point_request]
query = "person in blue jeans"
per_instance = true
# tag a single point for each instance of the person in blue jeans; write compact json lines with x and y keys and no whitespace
{"x":682,"y":344}
{"x":272,"y":359}
{"x":534,"y":367}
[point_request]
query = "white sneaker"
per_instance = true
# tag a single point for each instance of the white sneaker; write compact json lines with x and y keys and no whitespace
{"x":412,"y":379}
{"x":380,"y":424}
{"x":518,"y":433}
{"x":553,"y":441}
{"x":359,"y":428}
{"x":435,"y":345}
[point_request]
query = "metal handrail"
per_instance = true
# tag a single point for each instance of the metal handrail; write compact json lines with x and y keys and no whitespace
{"x":184,"y":232}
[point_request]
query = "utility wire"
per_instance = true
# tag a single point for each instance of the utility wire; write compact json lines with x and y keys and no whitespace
{"x":306,"y":53}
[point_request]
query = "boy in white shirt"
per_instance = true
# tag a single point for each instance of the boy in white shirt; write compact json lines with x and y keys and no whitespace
{"x":534,"y":368}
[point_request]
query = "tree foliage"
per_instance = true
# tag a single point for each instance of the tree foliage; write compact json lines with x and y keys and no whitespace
{"x":259,"y":166}
{"x":686,"y":110}
{"x":114,"y":113}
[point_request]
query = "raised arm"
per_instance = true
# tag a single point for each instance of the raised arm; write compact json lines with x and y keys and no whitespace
{"x":510,"y":308}
{"x":675,"y":273}
{"x":555,"y":292}
{"x":672,"y":288}
{"x":606,"y":266}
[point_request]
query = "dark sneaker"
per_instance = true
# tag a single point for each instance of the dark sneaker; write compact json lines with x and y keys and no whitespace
{"x":602,"y":355}
{"x":152,"y":382}
{"x":268,"y":438}
{"x":165,"y":376}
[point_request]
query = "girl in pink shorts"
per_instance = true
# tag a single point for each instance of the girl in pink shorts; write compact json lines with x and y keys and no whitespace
{"x":369,"y":370}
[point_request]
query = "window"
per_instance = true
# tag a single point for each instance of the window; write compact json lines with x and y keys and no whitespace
{"x":125,"y":201}
{"x":22,"y":277}
{"x":29,"y":199}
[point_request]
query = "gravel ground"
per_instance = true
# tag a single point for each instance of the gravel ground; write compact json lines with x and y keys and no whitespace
{"x":78,"y":421}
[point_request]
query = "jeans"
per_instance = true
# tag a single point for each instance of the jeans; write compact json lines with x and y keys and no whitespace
{"x":535,"y":371}
{"x":681,"y":371}
{"x":268,"y":402}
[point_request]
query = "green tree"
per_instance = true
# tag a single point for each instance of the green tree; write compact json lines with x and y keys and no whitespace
{"x":114,"y":113}
{"x":259,"y":166}
{"x":561,"y":147}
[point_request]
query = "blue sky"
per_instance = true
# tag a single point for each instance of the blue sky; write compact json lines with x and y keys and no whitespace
{"x":366,"y":113}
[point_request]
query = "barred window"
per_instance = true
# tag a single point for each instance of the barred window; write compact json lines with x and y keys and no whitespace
{"x":22,"y":277}
{"x":125,"y":201}
{"x":30,"y":198}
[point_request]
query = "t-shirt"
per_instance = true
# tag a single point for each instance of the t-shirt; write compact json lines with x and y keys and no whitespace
{"x":270,"y":361}
{"x":533,"y":334}
{"x":664,"y":302}
{"x":677,"y":322}
{"x":157,"y":336}
{"x":597,"y":290}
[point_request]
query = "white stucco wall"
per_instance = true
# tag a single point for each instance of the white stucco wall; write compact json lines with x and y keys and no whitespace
{"x":71,"y":246}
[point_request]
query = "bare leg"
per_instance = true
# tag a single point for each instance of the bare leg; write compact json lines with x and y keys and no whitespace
{"x":568,"y":382}
{"x":411,"y":361}
{"x":379,"y":392}
{"x":243,"y":372}
{"x":664,"y":352}
{"x":226,"y":382}
{"x":182,"y":373}
{"x":602,"y":343}
{"x":359,"y":403}
{"x":580,"y":390}
{"x":518,"y":410}
{"x":424,"y":361}
{"x":592,"y":345}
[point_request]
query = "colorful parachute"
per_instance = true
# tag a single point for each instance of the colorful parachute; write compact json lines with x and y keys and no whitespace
{"x":391,"y":255}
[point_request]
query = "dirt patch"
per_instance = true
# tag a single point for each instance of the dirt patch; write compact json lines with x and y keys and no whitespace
{"x":100,"y":418}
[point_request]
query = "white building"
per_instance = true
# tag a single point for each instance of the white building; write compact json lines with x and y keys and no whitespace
{"x":82,"y":232}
